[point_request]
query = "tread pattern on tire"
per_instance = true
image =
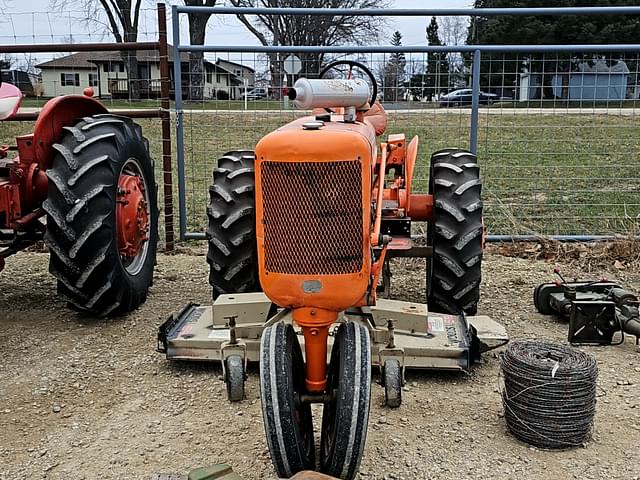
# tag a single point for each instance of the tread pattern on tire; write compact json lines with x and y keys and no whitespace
{"x":456,"y":234}
{"x":349,"y":424}
{"x":81,"y":226}
{"x":231,"y":232}
{"x":279,"y":351}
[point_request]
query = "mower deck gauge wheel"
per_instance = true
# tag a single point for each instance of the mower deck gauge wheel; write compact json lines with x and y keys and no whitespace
{"x":234,"y":378}
{"x":392,"y":378}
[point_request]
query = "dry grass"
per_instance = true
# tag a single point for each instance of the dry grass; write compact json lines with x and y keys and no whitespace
{"x":621,"y":254}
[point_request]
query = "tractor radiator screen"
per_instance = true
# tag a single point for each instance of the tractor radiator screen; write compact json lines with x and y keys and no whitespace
{"x":312,"y":217}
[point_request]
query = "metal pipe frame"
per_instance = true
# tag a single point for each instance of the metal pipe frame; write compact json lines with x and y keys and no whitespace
{"x":475,"y":102}
{"x":502,"y":238}
{"x":133,"y":113}
{"x":78,"y":47}
{"x":622,"y":47}
{"x":415,"y":12}
{"x":476,"y":50}
{"x":177,"y":76}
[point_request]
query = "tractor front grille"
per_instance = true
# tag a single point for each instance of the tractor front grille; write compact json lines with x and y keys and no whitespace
{"x":312,"y":217}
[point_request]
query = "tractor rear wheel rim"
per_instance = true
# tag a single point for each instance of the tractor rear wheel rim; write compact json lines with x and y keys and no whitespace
{"x":132,"y":216}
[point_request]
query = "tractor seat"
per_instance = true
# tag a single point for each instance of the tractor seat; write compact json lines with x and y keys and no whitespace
{"x":376,"y":116}
{"x":10,"y":98}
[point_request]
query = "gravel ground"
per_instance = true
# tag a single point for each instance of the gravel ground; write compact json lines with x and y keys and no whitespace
{"x":83,"y":399}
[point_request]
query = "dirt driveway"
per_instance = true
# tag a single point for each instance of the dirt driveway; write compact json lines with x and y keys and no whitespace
{"x":88,"y":399}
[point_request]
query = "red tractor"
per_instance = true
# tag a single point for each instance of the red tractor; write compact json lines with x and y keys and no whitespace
{"x":90,"y":174}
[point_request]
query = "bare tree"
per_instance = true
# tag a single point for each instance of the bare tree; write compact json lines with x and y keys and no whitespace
{"x":197,"y":30}
{"x":453,"y":31}
{"x":123,"y":18}
{"x":322,"y":30}
{"x":27,"y":63}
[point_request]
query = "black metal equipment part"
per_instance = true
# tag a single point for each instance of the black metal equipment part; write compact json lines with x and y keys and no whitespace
{"x":596,"y":310}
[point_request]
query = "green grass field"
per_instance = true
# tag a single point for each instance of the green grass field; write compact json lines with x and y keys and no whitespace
{"x":546,"y":174}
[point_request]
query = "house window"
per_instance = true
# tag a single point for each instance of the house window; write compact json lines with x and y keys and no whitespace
{"x":93,"y":79}
{"x":70,"y":79}
{"x":218,"y":80}
{"x":113,"y":67}
{"x":209,"y":76}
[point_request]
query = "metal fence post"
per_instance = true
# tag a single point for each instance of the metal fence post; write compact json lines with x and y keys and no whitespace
{"x":475,"y":102}
{"x":177,"y":88}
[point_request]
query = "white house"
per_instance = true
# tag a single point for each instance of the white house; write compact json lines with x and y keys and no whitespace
{"x":246,"y":76}
{"x":106,"y":73}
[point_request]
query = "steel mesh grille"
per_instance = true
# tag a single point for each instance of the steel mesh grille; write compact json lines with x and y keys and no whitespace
{"x":312,"y":217}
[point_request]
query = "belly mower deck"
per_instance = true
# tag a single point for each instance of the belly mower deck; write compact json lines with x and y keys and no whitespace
{"x":402,"y":330}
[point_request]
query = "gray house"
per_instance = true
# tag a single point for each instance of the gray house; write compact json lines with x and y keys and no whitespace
{"x":591,"y":81}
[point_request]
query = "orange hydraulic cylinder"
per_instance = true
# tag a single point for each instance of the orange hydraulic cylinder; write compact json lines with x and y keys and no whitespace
{"x":315,"y":323}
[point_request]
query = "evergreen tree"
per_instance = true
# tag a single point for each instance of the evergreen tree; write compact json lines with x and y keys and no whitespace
{"x":394,"y":73}
{"x":437,"y":78}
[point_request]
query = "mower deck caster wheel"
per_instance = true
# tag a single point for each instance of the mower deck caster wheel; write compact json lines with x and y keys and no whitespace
{"x":346,"y":414}
{"x":392,"y":381}
{"x":287,"y":420}
{"x":234,"y":377}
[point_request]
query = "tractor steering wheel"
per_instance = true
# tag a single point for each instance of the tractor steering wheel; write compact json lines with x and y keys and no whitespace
{"x":351,"y":64}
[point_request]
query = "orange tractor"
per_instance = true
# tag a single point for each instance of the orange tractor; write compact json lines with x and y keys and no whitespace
{"x":90,"y":175}
{"x":309,"y":221}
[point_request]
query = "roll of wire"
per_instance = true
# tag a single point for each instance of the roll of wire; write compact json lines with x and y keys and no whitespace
{"x":549,"y":394}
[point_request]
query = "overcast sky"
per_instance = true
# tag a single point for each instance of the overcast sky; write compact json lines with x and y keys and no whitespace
{"x":30,"y":21}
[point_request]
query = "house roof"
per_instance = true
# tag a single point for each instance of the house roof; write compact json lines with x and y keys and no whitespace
{"x":90,"y":59}
{"x":75,"y":60}
{"x":234,"y":63}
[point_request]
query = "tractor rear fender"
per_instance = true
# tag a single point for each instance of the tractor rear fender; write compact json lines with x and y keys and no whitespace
{"x":57,"y":113}
{"x":417,"y":206}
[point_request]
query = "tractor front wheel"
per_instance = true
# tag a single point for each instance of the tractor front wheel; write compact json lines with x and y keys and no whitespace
{"x":456,"y":234}
{"x":102,"y":215}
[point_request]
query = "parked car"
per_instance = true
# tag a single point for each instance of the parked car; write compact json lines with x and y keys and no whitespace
{"x":465,"y":97}
{"x":257,"y":93}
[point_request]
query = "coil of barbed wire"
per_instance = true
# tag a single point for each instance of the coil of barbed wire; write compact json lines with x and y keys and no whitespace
{"x":549,"y":394}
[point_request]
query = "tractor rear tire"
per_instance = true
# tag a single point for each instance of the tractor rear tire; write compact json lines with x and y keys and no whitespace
{"x":232,"y":255}
{"x":82,"y":230}
{"x":456,"y":234}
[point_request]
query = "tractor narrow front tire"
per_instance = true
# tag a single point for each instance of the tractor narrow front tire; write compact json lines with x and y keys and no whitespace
{"x":288,"y":424}
{"x":456,"y":234}
{"x":232,"y":255}
{"x":82,"y":227}
{"x":345,"y":416}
